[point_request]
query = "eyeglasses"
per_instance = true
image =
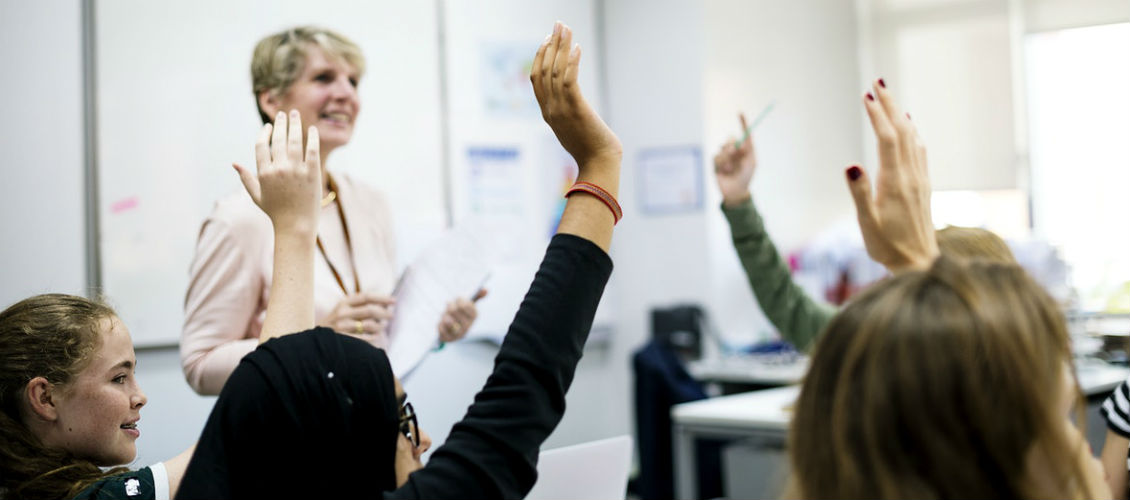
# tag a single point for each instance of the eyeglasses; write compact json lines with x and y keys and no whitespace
{"x":408,"y":425}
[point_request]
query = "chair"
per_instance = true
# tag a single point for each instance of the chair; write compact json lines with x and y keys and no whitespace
{"x":662,"y":381}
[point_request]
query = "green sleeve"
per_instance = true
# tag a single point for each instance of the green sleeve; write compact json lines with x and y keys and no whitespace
{"x":797,"y":317}
{"x":132,"y":485}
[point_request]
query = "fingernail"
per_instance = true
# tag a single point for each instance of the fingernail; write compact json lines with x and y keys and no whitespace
{"x":908,"y":116}
{"x":853,"y":172}
{"x":882,"y":83}
{"x":870,"y":97}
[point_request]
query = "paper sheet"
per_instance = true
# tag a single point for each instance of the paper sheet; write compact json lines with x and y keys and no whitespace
{"x":452,"y":267}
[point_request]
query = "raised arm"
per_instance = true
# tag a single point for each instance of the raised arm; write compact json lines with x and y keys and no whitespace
{"x":896,"y":224}
{"x":288,"y":188}
{"x":581,"y":132}
{"x":795,"y":315}
{"x":492,"y":452}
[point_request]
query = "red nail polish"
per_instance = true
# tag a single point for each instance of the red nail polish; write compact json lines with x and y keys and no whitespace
{"x":870,"y":97}
{"x":882,"y":83}
{"x":853,"y":172}
{"x":908,"y":116}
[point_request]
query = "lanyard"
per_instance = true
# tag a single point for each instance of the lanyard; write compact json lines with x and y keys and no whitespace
{"x":348,"y":246}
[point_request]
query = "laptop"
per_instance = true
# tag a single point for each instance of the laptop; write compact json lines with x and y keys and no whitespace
{"x":595,"y":470}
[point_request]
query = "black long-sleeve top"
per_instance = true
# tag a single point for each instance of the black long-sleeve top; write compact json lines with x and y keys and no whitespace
{"x":492,"y":452}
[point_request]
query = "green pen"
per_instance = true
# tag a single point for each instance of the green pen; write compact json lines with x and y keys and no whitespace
{"x":760,"y":116}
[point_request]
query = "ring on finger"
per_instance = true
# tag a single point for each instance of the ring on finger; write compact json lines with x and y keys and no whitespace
{"x":359,"y":327}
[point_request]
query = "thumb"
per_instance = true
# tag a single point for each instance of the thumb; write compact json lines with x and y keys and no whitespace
{"x":250,"y":182}
{"x":860,"y":186}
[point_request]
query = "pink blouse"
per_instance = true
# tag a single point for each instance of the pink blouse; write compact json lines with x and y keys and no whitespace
{"x":230,"y":276}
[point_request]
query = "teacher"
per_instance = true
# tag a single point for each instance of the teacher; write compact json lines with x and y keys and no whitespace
{"x":315,"y":71}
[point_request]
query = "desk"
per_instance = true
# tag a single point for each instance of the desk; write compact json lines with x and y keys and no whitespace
{"x":752,"y":370}
{"x":762,"y":414}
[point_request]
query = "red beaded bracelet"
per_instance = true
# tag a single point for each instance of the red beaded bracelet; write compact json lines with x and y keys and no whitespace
{"x":601,"y":194}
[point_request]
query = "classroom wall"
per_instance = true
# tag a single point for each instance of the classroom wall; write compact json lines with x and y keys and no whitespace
{"x":41,"y":183}
{"x":801,"y":55}
{"x":669,"y":80}
{"x":654,"y":73}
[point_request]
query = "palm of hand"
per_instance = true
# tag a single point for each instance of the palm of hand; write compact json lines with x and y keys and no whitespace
{"x":288,"y":183}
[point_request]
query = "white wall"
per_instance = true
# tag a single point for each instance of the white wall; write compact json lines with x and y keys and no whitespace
{"x":654,"y":69}
{"x":802,"y":55}
{"x":41,"y":182}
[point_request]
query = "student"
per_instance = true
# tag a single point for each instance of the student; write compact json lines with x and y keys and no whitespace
{"x":947,"y":380}
{"x":798,"y":317}
{"x":315,"y":71}
{"x":1116,"y":449}
{"x":320,"y":415}
{"x":70,"y":405}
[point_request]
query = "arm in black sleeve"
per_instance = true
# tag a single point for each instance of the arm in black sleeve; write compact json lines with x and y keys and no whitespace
{"x":492,"y":452}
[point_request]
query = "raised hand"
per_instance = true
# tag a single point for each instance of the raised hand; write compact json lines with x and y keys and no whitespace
{"x":733,"y":168}
{"x":896,"y":223}
{"x":578,"y":128}
{"x":288,"y":186}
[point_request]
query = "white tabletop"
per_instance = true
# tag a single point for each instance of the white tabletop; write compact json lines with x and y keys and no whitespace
{"x":770,"y":409}
{"x":765,"y":369}
{"x":762,"y":409}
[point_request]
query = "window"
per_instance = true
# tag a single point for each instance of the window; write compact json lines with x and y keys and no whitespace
{"x":1078,"y":84}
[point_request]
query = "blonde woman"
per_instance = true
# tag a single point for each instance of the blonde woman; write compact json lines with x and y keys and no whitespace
{"x":316,"y":72}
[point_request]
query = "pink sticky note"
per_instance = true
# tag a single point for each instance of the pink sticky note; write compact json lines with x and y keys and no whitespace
{"x":123,"y":205}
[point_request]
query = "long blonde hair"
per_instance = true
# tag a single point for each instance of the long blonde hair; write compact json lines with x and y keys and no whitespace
{"x":936,"y":384}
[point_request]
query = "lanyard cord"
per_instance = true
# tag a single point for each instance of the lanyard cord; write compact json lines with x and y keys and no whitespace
{"x":348,"y":246}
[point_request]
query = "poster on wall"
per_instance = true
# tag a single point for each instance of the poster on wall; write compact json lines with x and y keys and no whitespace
{"x":670,"y":180}
{"x":506,"y":80}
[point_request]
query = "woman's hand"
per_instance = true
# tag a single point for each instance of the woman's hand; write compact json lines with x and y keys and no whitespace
{"x":287,"y":186}
{"x":896,"y":223}
{"x":578,"y":128}
{"x":458,"y":318}
{"x":363,"y":314}
{"x":733,"y":168}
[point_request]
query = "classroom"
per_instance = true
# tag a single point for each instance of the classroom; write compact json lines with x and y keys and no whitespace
{"x":131,"y":114}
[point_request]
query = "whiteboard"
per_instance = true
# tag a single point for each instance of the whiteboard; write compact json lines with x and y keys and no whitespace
{"x":175,"y":109}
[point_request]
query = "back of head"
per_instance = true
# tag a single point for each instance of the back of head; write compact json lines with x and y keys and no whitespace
{"x":934,"y":384}
{"x":306,"y":415}
{"x":278,"y":59}
{"x":51,"y":336}
{"x":973,"y":243}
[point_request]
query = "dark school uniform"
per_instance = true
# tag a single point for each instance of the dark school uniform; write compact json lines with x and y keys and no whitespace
{"x":148,"y":483}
